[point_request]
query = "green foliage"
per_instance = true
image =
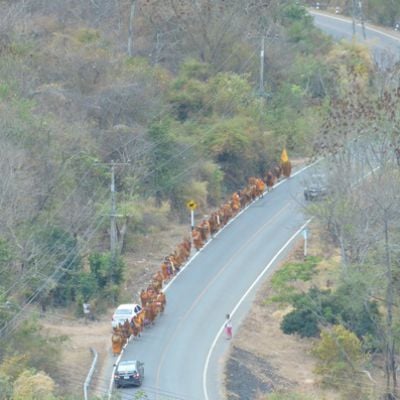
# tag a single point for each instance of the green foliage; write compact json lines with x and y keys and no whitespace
{"x":5,"y":387}
{"x":299,"y":24}
{"x":230,"y":94}
{"x":29,"y":347}
{"x":322,"y":307}
{"x":171,"y":161}
{"x":383,"y":12}
{"x":84,"y":35}
{"x":231,"y":141}
{"x":339,"y":360}
{"x":358,"y":314}
{"x":350,"y":65}
{"x":297,"y":271}
{"x":34,"y":386}
{"x":188,"y":99}
{"x":302,"y":321}
{"x":193,"y":69}
{"x":106,"y":274}
{"x":212,"y":174}
{"x":87,"y":286}
{"x":283,"y":281}
{"x":59,"y":260}
{"x":6,"y":258}
{"x":12,"y":366}
{"x":188,"y":93}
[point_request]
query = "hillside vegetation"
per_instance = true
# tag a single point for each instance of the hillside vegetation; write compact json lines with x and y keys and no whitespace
{"x":167,"y":94}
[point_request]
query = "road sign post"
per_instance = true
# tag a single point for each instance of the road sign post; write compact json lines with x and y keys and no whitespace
{"x":305,"y":236}
{"x":191,"y":205}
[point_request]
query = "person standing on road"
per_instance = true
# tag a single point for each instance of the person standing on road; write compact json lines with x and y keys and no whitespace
{"x":228,"y":327}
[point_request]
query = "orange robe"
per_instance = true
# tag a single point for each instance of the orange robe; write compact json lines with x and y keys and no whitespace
{"x":144,"y":298}
{"x":197,"y":240}
{"x":164,"y":271}
{"x":116,"y":341}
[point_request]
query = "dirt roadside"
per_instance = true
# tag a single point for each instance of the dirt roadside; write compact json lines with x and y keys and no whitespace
{"x":262,"y":359}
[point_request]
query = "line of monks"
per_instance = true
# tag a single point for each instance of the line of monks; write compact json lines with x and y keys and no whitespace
{"x":254,"y":189}
{"x":153,"y":299}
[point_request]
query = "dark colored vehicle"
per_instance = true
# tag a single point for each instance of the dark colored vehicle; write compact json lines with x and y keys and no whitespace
{"x":129,"y":373}
{"x":317,"y":189}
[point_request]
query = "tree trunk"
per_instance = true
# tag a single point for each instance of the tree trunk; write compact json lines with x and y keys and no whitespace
{"x":390,"y":360}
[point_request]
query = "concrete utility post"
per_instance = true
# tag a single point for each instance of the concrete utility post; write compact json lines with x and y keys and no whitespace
{"x":262,"y":56}
{"x":113,"y":212}
{"x":130,"y":29}
{"x":360,"y":5}
{"x":113,"y":215}
{"x":353,"y":17}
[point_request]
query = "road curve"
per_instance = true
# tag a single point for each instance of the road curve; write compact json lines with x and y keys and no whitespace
{"x":176,"y":349}
{"x":385,"y":44}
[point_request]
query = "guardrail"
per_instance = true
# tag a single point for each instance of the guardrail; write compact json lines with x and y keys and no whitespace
{"x":90,"y":374}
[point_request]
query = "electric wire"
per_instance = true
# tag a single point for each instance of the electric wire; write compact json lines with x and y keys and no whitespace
{"x":192,"y":145}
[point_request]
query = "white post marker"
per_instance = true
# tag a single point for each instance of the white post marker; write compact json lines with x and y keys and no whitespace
{"x":191,"y":205}
{"x":305,"y":235}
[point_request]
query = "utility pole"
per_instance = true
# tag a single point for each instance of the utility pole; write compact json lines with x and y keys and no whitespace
{"x":113,"y":216}
{"x":262,"y":52}
{"x":362,"y":19}
{"x":353,"y":17}
{"x":113,"y":213}
{"x":130,"y":29}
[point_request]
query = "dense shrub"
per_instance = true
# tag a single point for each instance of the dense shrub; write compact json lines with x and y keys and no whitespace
{"x":323,"y":307}
{"x":303,"y":322}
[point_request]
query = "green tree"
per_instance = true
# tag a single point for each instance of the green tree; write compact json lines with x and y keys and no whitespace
{"x":108,"y":273}
{"x":39,"y":351}
{"x":383,"y":12}
{"x":59,"y":260}
{"x":172,"y":161}
{"x":340,"y":360}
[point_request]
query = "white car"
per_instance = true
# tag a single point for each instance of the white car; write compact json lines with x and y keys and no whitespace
{"x":125,"y":312}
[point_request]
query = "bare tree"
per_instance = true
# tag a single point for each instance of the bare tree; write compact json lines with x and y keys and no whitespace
{"x":362,"y":142}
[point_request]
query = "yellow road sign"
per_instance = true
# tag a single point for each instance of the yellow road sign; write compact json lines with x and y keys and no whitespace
{"x":191,"y":204}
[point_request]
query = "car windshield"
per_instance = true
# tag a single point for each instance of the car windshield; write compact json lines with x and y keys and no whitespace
{"x":123,"y":312}
{"x":131,"y":367}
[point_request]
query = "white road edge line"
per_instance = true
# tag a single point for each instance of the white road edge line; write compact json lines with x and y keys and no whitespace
{"x":241,"y":301}
{"x":110,"y":387}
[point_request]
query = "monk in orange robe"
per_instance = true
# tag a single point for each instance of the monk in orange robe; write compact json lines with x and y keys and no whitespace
{"x":116,"y":341}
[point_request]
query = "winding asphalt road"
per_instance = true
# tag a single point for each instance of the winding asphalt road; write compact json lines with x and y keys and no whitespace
{"x":184,"y":351}
{"x":176,"y":350}
{"x":385,"y":44}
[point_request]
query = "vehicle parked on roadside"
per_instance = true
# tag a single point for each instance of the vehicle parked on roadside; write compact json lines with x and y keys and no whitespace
{"x":317,"y":188}
{"x":129,"y":373}
{"x":125,"y":312}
